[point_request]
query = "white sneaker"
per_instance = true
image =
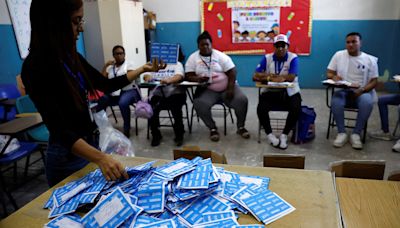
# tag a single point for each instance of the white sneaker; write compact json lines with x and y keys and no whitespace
{"x":340,"y":140}
{"x":355,"y":141}
{"x":272,"y":139}
{"x":283,"y":141}
{"x":396,"y":147}
{"x":379,"y":134}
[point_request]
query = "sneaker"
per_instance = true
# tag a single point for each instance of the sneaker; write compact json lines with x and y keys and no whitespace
{"x":355,"y":141}
{"x":283,"y":142}
{"x":243,"y":132}
{"x":396,"y":147}
{"x":340,"y":140}
{"x":214,"y":135}
{"x":379,"y":134}
{"x":273,"y":140}
{"x":156,"y":138}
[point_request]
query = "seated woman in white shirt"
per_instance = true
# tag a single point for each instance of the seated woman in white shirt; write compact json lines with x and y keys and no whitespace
{"x":216,"y":68}
{"x":171,"y":96}
{"x":127,"y":95}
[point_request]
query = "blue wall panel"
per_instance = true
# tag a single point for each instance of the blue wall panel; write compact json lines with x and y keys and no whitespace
{"x":10,"y":60}
{"x":380,"y":38}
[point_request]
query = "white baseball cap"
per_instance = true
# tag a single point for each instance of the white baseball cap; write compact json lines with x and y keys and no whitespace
{"x":281,"y":38}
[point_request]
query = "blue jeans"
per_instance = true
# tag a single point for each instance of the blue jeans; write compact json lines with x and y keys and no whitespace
{"x":61,"y":163}
{"x":124,"y":100}
{"x":345,"y":98}
{"x":383,"y":102}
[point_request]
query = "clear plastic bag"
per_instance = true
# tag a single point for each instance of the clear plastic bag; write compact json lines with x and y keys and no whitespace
{"x":14,"y":144}
{"x":111,"y":140}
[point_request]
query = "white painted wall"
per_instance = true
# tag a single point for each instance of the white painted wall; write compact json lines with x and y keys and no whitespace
{"x":189,"y":10}
{"x":4,"y":15}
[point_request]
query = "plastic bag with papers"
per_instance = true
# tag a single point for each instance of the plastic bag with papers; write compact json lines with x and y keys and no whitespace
{"x":111,"y":140}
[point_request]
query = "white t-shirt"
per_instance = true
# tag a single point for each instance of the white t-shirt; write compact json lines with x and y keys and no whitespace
{"x":113,"y":71}
{"x":169,"y":71}
{"x":213,"y":66}
{"x":357,"y":69}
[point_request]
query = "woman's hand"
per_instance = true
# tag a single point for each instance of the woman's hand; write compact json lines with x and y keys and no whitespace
{"x":147,"y":77}
{"x":154,"y":65}
{"x":111,"y":168}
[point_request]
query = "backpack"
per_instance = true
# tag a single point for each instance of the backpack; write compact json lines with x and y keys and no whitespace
{"x":305,"y":127}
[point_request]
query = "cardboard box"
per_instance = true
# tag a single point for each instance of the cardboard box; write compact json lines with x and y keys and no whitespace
{"x":150,"y":20}
{"x":194,"y":151}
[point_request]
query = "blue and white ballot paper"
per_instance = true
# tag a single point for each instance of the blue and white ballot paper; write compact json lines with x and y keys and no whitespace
{"x":166,"y":52}
{"x":181,"y":193}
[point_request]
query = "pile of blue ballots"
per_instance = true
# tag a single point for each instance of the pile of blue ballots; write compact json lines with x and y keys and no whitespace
{"x":182,"y":193}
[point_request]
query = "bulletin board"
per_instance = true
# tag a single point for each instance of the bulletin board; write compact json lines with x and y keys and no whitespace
{"x":19,"y":13}
{"x":294,"y":20}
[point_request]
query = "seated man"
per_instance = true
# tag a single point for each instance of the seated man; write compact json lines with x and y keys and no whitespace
{"x":280,"y":66}
{"x":216,"y":68}
{"x":127,"y":95}
{"x":361,"y":70}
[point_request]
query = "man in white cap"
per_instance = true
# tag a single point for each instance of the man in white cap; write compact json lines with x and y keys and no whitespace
{"x":280,"y":66}
{"x":361,"y":70}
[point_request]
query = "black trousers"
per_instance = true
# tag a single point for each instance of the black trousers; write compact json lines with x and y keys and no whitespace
{"x":279,"y":101}
{"x":173,"y":103}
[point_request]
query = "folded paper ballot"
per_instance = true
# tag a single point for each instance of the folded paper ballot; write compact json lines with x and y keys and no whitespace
{"x":181,"y":193}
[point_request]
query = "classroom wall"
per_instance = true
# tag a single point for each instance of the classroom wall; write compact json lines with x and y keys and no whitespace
{"x":377,"y":21}
{"x":10,"y":60}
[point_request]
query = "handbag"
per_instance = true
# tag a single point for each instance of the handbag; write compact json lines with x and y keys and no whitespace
{"x":305,"y":126}
{"x":143,"y":108}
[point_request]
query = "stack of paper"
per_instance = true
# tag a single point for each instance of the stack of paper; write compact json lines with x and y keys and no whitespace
{"x":341,"y":82}
{"x":182,"y":193}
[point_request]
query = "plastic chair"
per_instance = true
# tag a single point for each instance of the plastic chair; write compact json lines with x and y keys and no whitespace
{"x":25,"y":105}
{"x":8,"y":91}
{"x":294,"y":161}
{"x":364,"y":169}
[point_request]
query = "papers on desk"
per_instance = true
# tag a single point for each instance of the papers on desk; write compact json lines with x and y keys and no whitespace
{"x":332,"y":82}
{"x":182,"y":193}
{"x":280,"y":84}
{"x":396,"y":78}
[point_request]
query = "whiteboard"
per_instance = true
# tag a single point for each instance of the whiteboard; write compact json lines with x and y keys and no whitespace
{"x":19,"y":13}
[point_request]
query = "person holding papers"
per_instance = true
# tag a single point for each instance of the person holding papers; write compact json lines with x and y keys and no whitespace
{"x":217,"y":70}
{"x":280,"y":66}
{"x":64,"y":107}
{"x":168,"y":96}
{"x":361,"y":70}
{"x":127,"y":95}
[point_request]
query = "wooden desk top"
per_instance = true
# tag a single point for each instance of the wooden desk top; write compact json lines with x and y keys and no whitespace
{"x":18,"y":125}
{"x":369,"y":203}
{"x":311,"y":192}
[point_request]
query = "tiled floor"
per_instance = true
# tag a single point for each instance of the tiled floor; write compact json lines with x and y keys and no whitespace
{"x":319,"y":152}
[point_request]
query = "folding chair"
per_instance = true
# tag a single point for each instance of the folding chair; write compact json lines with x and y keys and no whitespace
{"x":364,"y":169}
{"x":294,"y":161}
{"x":226,"y":111}
{"x":348,"y":120}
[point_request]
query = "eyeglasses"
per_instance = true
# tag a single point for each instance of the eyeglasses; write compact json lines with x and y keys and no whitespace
{"x":79,"y":22}
{"x":119,"y":53}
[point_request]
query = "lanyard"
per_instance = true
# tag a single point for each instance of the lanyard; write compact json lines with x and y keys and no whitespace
{"x":209,"y":63}
{"x":78,"y":78}
{"x":278,"y":67}
{"x":115,"y":71}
